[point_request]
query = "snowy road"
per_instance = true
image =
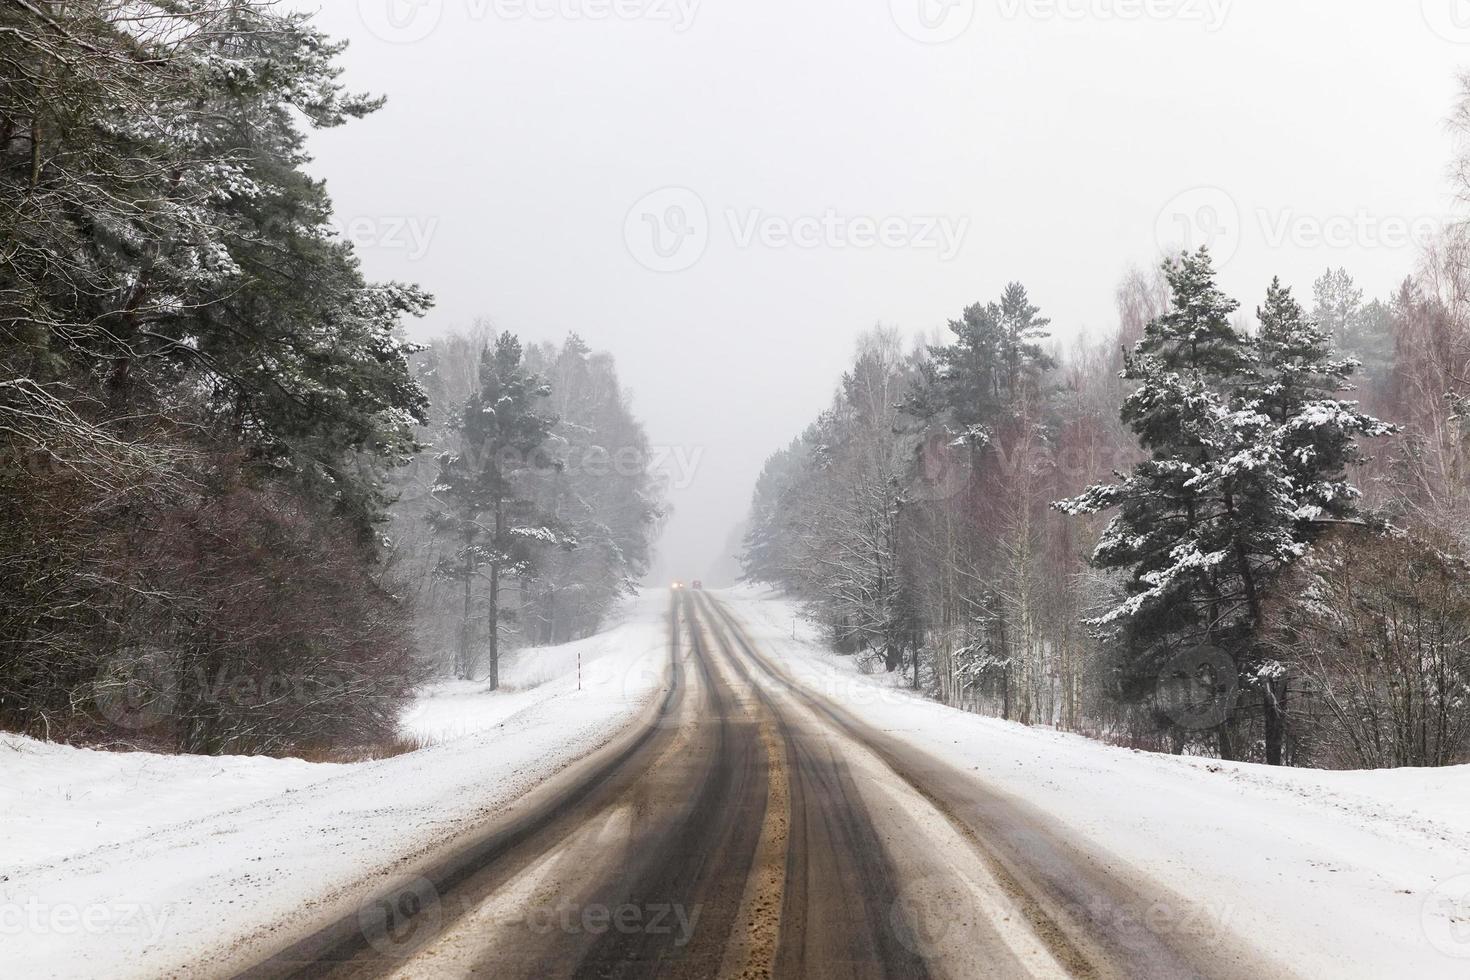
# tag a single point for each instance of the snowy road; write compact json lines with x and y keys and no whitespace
{"x":751,"y":827}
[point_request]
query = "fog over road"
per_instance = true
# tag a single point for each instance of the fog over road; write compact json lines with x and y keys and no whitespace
{"x":748,"y":827}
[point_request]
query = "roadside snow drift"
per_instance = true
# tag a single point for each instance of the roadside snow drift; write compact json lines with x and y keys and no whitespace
{"x":1333,"y":874}
{"x":137,"y":865}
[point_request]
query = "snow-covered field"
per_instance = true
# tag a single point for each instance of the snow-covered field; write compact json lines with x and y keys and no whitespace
{"x":131,"y":864}
{"x":1336,"y":874}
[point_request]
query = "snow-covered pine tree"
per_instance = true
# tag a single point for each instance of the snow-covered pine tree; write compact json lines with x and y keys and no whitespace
{"x":965,"y":383}
{"x":1176,"y":530}
{"x":1296,"y":382}
{"x":1022,"y":330}
{"x":483,"y":505}
{"x":606,"y":496}
{"x":1248,"y":450}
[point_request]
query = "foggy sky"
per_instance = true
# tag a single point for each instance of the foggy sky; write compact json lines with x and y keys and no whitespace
{"x":839,"y":163}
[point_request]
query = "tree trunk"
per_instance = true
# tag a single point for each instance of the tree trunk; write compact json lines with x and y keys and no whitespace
{"x":1275,"y":706}
{"x":495,"y":598}
{"x":466,"y":624}
{"x":495,"y":626}
{"x":892,"y":657}
{"x":1226,"y":743}
{"x":1006,"y":693}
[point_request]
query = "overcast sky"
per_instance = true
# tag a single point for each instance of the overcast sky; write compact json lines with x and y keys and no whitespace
{"x":725,"y":193}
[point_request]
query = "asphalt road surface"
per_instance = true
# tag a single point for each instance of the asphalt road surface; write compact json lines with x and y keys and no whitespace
{"x":749,"y":827}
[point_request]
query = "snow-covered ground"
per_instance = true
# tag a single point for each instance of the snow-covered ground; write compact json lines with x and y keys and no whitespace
{"x":1335,"y":874}
{"x":132,"y":864}
{"x":451,"y":709}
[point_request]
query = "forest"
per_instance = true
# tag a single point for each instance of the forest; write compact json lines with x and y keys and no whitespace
{"x":239,"y":511}
{"x":1210,"y":531}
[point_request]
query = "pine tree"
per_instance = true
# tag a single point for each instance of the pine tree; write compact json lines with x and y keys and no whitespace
{"x":1022,"y":329}
{"x":605,"y":496}
{"x":171,"y":291}
{"x":1363,"y":331}
{"x":499,"y":532}
{"x":1247,"y":457}
{"x":967,"y":377}
{"x":1296,"y":382}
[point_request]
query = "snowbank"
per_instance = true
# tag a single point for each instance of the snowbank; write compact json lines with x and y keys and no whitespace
{"x":1341,"y":874}
{"x":130,"y":864}
{"x":452,"y":709}
{"x":56,"y":801}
